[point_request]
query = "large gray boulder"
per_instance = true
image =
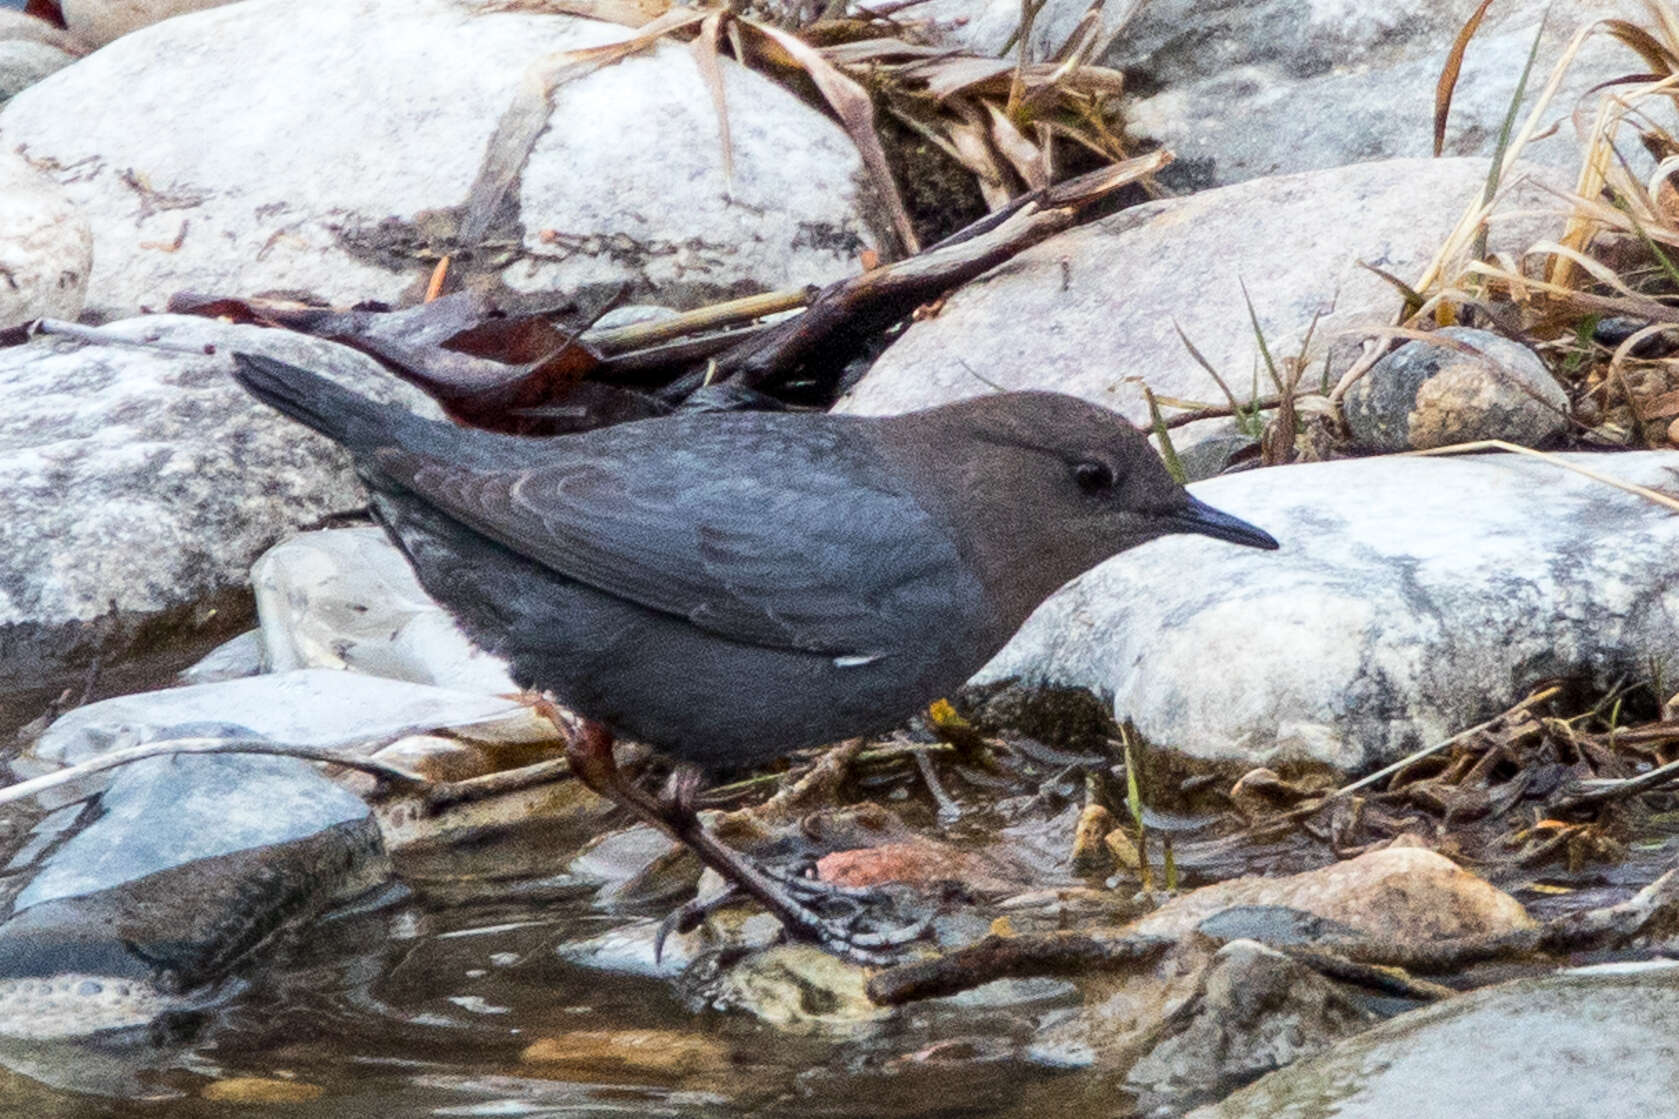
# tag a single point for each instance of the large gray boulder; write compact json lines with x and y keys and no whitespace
{"x":140,"y":482}
{"x":329,"y":146}
{"x":1411,"y":598}
{"x":1241,"y":89}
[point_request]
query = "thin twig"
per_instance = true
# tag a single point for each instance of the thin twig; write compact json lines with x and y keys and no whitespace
{"x":116,"y":758}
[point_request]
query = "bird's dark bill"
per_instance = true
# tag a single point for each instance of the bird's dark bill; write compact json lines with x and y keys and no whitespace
{"x":1200,"y":517}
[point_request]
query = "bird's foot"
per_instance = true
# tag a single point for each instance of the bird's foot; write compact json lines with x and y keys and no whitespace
{"x":802,"y":903}
{"x":837,"y":918}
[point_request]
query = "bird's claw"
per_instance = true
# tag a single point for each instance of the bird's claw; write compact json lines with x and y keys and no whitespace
{"x":802,"y":919}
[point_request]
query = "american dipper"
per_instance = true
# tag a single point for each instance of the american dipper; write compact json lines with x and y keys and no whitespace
{"x":729,"y":587}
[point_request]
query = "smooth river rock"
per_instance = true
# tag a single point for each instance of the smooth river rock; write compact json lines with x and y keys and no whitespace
{"x":346,"y":598}
{"x":1428,"y":394}
{"x":173,"y":875}
{"x":1411,"y":598}
{"x":1594,"y":1041}
{"x":329,"y":148}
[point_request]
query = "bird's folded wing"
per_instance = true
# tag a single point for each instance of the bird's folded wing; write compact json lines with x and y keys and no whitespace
{"x":825,"y":565}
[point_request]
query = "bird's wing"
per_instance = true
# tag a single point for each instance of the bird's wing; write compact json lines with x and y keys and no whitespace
{"x":793,"y":545}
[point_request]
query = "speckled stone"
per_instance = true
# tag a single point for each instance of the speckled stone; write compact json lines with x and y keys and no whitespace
{"x":1425,"y":395}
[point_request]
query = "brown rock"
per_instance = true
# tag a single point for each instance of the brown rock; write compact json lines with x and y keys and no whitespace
{"x":1405,"y":893}
{"x":260,"y":1089}
{"x":629,"y":1054}
{"x":917,"y":862}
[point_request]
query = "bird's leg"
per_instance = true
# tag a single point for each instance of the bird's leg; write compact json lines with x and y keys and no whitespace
{"x":589,"y":746}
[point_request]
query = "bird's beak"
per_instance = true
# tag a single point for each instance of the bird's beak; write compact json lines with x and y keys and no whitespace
{"x":1200,"y":517}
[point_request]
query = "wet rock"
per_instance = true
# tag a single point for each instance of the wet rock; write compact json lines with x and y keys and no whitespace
{"x":1256,"y":1010}
{"x":23,"y":62}
{"x":1588,"y":1042}
{"x":309,"y":707}
{"x":46,"y":246}
{"x":1240,"y":90}
{"x":630,"y":949}
{"x":1095,"y":312}
{"x":142,"y":482}
{"x":346,"y":598}
{"x":181,"y":869}
{"x":793,"y":986}
{"x":1411,"y":598}
{"x":638,"y":866}
{"x":493,"y":805}
{"x":631,"y":1055}
{"x":1423,"y":395}
{"x":626,"y":184}
{"x":261,"y":1089}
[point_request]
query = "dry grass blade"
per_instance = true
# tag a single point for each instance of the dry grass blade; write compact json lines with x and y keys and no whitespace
{"x":526,"y":118}
{"x":972,"y":149}
{"x":1449,"y":74}
{"x":1235,"y":405}
{"x":626,"y":13}
{"x":947,"y":77}
{"x":705,"y":48}
{"x":851,"y":104}
{"x":1648,"y":47}
{"x":1023,"y":155}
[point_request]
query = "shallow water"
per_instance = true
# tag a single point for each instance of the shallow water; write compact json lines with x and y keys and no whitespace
{"x":423,"y":1002}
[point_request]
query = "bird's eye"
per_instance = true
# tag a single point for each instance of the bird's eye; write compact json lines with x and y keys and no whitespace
{"x":1093,"y":477}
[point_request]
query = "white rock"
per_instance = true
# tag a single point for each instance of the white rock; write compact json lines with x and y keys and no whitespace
{"x":308,"y":707}
{"x":346,"y":598}
{"x":141,"y":482}
{"x":1411,"y":598}
{"x":347,"y":133}
{"x":46,"y":246}
{"x":1240,"y":89}
{"x":1096,"y":311}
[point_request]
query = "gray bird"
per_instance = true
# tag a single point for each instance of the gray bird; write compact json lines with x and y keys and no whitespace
{"x":729,"y":587}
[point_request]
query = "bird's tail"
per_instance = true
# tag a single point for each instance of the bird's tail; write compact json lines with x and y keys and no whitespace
{"x":341,"y":415}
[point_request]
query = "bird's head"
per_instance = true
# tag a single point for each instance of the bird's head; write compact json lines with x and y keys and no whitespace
{"x":1046,"y":486}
